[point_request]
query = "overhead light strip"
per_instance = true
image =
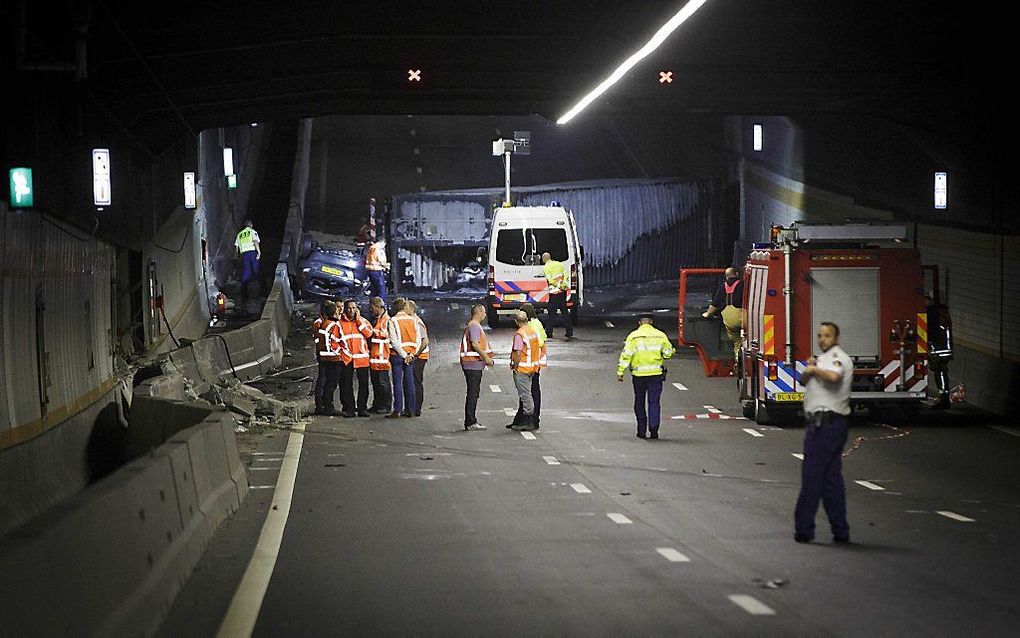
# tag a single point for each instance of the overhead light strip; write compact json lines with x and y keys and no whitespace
{"x":660,"y":36}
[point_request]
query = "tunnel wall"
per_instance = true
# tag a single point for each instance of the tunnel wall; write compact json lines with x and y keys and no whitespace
{"x":980,"y":274}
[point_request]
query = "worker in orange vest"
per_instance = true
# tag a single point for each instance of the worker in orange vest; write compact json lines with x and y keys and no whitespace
{"x":475,"y":356}
{"x":376,"y":265}
{"x":422,"y":358}
{"x":327,"y":309}
{"x":379,"y":359}
{"x":355,"y":333}
{"x":405,"y":345}
{"x":328,"y":345}
{"x":525,"y":360}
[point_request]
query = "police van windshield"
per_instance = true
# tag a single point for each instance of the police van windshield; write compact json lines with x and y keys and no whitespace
{"x":524,"y":246}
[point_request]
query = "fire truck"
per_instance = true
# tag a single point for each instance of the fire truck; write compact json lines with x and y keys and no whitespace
{"x":860,"y":276}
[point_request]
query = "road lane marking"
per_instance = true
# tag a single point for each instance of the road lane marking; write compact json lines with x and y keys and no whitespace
{"x":751,"y":605}
{"x":580,"y":488}
{"x":551,"y":460}
{"x":679,"y":386}
{"x":263,"y":469}
{"x":1002,"y":428}
{"x":455,"y":306}
{"x":509,"y":411}
{"x":279,"y":454}
{"x":261,"y":487}
{"x":797,"y":455}
{"x":871,"y":486}
{"x":672,"y":555}
{"x":529,"y":436}
{"x":495,"y":388}
{"x":712,"y":409}
{"x":753,"y":432}
{"x":955,"y":516}
{"x":247,"y":601}
{"x":609,"y":324}
{"x":619,"y":519}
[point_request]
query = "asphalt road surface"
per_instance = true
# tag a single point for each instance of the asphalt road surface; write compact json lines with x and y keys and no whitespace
{"x":414,"y":526}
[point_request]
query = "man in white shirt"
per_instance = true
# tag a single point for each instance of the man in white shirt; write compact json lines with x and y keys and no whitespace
{"x":827,"y":381}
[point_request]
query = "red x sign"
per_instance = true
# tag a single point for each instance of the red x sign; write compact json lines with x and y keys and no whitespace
{"x":665,"y":77}
{"x":414,"y":75}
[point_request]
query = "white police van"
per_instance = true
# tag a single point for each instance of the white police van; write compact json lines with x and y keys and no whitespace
{"x":518,"y":237}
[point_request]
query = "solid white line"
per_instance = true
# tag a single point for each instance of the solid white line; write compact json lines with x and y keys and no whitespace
{"x":797,"y":455}
{"x":956,"y":517}
{"x":494,"y":388}
{"x":279,"y":454}
{"x":1006,"y":430}
{"x":551,"y":460}
{"x":619,"y":519}
{"x":679,"y":386}
{"x":261,"y":487}
{"x":263,"y":469}
{"x":580,"y":488}
{"x":751,"y":605}
{"x":672,"y":555}
{"x":871,"y":486}
{"x":247,"y":601}
{"x":753,"y":432}
{"x":529,"y":436}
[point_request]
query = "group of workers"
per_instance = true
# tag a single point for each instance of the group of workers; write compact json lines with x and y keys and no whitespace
{"x":349,"y":346}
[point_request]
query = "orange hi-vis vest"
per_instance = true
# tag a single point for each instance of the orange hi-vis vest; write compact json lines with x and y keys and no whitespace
{"x":380,"y":350}
{"x":425,"y":335}
{"x":408,"y":328}
{"x":373,"y":260}
{"x":316,"y":337}
{"x":532,"y":354}
{"x":467,"y":353}
{"x":328,"y":341}
{"x":354,"y":344}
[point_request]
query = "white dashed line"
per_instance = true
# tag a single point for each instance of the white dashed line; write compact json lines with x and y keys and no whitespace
{"x":529,"y":436}
{"x":753,"y":432}
{"x":455,"y":306}
{"x":1004,"y":429}
{"x":619,"y":519}
{"x":261,"y":487}
{"x":672,"y":555}
{"x":495,"y":388}
{"x":509,"y":411}
{"x":679,"y":386}
{"x":712,"y":409}
{"x":797,"y":455}
{"x":609,"y":324}
{"x":551,"y":460}
{"x":955,"y":516}
{"x":751,"y":605}
{"x":580,"y":488}
{"x":870,"y":485}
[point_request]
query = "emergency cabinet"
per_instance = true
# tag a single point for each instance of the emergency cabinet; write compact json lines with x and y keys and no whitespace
{"x":860,"y":276}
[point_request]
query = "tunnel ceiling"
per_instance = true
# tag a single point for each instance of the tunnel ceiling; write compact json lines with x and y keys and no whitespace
{"x":164,"y":71}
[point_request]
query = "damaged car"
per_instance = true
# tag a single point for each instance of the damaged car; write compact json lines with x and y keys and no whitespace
{"x":332,"y":269}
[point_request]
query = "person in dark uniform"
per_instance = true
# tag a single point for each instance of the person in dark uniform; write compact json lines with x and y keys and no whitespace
{"x":728,"y":301}
{"x":827,"y":381}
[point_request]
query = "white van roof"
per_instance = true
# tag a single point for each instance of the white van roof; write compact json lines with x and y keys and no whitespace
{"x":524,"y":213}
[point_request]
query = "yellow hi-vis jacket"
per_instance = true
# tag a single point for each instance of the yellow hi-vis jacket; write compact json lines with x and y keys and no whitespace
{"x":557,"y":276}
{"x":643,"y":352}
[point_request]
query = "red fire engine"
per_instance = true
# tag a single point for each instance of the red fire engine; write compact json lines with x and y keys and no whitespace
{"x":857,"y":275}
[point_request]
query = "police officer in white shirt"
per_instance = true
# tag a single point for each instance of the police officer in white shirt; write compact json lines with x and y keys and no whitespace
{"x":827,"y":383}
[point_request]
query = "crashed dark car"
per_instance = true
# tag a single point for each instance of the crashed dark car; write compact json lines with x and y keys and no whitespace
{"x":327,"y":272}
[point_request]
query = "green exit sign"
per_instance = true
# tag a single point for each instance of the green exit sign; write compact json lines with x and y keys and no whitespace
{"x":21,"y":188}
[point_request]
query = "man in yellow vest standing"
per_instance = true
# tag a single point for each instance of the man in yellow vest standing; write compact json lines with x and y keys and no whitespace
{"x":250,"y":252}
{"x":558,"y":278}
{"x":643,"y":353}
{"x":524,"y":361}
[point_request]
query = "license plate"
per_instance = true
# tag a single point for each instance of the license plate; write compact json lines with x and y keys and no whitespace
{"x":332,"y":271}
{"x":788,"y":396}
{"x":516,"y":296}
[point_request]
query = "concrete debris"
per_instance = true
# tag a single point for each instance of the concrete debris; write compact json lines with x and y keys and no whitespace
{"x":251,"y":403}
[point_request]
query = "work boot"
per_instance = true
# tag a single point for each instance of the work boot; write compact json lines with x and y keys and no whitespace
{"x":393,"y":415}
{"x":364,"y":413}
{"x":526,"y":424}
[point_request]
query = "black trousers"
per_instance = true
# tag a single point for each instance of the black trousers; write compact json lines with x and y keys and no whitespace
{"x":558,"y":303}
{"x":419,"y":384}
{"x":347,"y":374}
{"x":320,"y":385}
{"x":821,"y":476}
{"x":474,"y":389}
{"x":331,"y":379}
{"x":382,"y":391}
{"x":536,"y":396}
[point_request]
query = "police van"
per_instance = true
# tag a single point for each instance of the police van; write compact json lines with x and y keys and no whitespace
{"x":518,"y":237}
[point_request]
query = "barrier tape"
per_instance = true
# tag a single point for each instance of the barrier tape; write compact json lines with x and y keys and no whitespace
{"x":861,"y":439}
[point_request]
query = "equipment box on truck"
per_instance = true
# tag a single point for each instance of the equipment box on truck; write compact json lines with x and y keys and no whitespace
{"x":519,"y":236}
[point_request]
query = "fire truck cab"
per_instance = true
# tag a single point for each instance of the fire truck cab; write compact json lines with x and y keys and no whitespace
{"x":859,"y":276}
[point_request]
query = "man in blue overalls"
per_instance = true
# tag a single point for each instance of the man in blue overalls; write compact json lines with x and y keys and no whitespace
{"x":247,"y":245}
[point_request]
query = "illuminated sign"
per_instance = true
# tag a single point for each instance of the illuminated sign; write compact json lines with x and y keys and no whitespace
{"x":414,"y":75}
{"x":759,"y":142}
{"x":101,"y":186}
{"x":665,"y":77}
{"x":941,"y":190}
{"x":189,"y":190}
{"x":228,"y":161}
{"x":21,"y":187}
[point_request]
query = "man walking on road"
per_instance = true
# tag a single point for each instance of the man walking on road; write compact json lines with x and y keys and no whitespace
{"x":475,"y":356}
{"x":643,"y":352}
{"x":558,"y":279}
{"x":827,"y":381}
{"x":249,"y":249}
{"x":524,"y":361}
{"x":536,"y":386}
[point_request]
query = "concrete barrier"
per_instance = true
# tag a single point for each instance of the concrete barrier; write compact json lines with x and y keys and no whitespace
{"x":111,"y":559}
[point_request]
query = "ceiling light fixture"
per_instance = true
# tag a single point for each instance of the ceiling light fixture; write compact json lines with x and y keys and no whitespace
{"x":657,"y":39}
